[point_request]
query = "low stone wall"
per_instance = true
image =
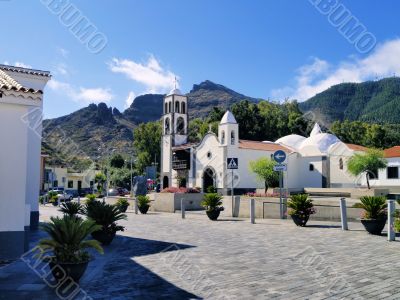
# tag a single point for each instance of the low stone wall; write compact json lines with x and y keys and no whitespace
{"x":268,"y":208}
{"x":347,"y":192}
{"x":169,"y":202}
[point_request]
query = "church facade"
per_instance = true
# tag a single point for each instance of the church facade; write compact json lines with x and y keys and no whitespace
{"x":316,"y":161}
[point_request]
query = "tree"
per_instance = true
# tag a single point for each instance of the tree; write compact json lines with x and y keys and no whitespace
{"x":147,"y":144}
{"x":264,"y":169}
{"x":369,"y":162}
{"x":117,"y":161}
{"x":100,"y":179}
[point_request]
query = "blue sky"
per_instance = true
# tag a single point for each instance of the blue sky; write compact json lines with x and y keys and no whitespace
{"x":266,"y":49}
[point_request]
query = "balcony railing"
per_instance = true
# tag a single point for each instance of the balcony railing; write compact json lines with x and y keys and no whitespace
{"x":179,"y":164}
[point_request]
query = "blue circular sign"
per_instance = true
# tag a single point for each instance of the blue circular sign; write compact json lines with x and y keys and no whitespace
{"x":279,"y":156}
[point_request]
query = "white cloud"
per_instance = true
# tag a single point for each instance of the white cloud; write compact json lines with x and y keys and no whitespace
{"x":63,"y":52}
{"x":61,"y":69}
{"x":19,"y":64}
{"x":320,"y":75}
{"x":85,"y":95}
{"x":151,"y":74}
{"x":129,"y":100}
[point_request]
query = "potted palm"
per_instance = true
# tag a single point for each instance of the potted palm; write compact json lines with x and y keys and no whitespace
{"x":107,"y":216}
{"x":69,"y":245}
{"x":301,"y":207}
{"x":213,"y":205}
{"x":375,"y":213}
{"x":71,"y":209}
{"x":122,"y":204}
{"x":143,"y":203}
{"x":53,"y":197}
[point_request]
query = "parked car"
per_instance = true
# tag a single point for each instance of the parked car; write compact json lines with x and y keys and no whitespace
{"x":122,"y":191}
{"x":64,"y":195}
{"x":84,"y":191}
{"x":113,"y":192}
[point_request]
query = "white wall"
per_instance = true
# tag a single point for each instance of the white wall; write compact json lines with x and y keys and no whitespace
{"x":13,"y":170}
{"x":382,"y":177}
{"x":216,"y":162}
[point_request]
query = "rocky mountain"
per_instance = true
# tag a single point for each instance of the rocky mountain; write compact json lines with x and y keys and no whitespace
{"x":96,"y":130}
{"x":371,"y":101}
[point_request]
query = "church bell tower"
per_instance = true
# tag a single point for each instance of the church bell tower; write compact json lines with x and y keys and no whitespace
{"x":174,"y":130}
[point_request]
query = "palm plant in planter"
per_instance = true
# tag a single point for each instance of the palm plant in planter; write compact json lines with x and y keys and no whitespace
{"x":143,"y":203}
{"x":213,"y":205}
{"x":53,"y":197}
{"x":301,"y":207}
{"x":69,"y":245}
{"x":71,"y":209}
{"x":122,"y":204}
{"x":107,"y":216}
{"x":375,"y":213}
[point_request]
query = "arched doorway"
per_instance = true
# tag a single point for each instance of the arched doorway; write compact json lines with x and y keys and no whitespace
{"x":165,"y":182}
{"x":208,"y":179}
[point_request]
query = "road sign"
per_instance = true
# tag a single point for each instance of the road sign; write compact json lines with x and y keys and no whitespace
{"x":279,"y":156}
{"x":282,"y":167}
{"x":232,"y":163}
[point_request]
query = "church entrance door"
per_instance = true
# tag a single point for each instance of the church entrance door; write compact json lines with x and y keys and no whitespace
{"x":208,"y":179}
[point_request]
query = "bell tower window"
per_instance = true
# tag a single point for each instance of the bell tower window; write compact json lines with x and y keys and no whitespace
{"x":167,"y":128}
{"x":183,"y":110}
{"x":169,"y":107}
{"x":223,"y":137}
{"x":180,"y":126}
{"x":177,"y":106}
{"x":165,"y":108}
{"x":232,"y":137}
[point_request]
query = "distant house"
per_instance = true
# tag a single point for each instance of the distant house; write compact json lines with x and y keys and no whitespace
{"x":61,"y":177}
{"x":21,"y":103}
{"x":389,"y":177}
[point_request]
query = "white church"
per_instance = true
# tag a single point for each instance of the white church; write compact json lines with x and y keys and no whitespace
{"x":316,"y":161}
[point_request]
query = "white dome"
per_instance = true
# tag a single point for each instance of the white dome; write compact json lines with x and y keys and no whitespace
{"x":316,"y":130}
{"x":228,"y":118}
{"x":175,"y":92}
{"x":321,"y":141}
{"x":291,"y":140}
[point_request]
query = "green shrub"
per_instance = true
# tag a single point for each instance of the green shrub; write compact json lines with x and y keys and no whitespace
{"x":374,"y":207}
{"x":105,"y":215}
{"x":143,"y":200}
{"x":212,"y":201}
{"x":122,"y":204}
{"x":211,"y":189}
{"x":71,"y":209}
{"x":41,"y":199}
{"x":300,"y":205}
{"x":68,"y":239}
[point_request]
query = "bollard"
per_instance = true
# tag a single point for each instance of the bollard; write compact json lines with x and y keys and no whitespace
{"x":136,"y":206}
{"x":79,"y":199}
{"x":284,"y":208}
{"x":390,"y":225}
{"x":343,"y":214}
{"x":252,"y":211}
{"x":183,"y":208}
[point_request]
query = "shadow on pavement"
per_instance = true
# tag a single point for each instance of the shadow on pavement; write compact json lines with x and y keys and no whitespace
{"x":112,"y":275}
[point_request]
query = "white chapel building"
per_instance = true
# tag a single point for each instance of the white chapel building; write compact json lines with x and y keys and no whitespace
{"x":315,"y":161}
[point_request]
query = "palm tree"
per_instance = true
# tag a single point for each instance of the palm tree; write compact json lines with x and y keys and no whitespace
{"x":368,"y":162}
{"x":71,"y":209}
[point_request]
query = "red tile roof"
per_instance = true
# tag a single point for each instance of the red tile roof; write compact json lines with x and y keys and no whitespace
{"x":357,"y":147}
{"x":255,"y":145}
{"x":392,"y":152}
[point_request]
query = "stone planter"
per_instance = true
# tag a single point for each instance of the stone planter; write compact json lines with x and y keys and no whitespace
{"x":105,"y":238}
{"x":300,"y":220}
{"x":144,"y":209}
{"x":61,"y":271}
{"x":374,"y":226}
{"x":213,"y":214}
